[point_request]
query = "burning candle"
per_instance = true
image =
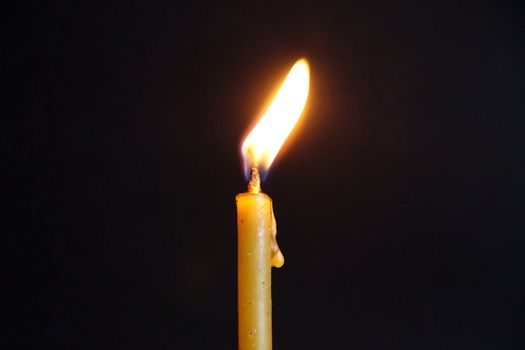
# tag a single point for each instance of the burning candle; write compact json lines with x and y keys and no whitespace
{"x":257,"y":246}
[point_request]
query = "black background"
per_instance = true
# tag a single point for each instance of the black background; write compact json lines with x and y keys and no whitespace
{"x":399,"y":198}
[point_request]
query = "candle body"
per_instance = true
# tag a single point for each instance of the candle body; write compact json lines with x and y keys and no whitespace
{"x":254,"y":222}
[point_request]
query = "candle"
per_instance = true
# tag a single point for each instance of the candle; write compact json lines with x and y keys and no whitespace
{"x":257,"y":246}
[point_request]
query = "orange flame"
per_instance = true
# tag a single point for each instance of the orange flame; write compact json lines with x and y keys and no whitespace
{"x":265,"y":140}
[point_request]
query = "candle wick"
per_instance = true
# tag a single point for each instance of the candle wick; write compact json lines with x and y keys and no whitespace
{"x":254,"y":186}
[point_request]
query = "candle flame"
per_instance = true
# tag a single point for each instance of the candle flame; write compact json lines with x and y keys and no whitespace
{"x":265,"y":140}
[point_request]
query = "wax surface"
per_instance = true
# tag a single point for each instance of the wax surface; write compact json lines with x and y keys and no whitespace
{"x":255,"y":224}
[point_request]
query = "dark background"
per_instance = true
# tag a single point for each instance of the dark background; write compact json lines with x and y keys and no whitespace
{"x":399,"y":200}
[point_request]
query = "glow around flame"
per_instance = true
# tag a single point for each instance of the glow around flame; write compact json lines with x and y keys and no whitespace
{"x":265,"y":140}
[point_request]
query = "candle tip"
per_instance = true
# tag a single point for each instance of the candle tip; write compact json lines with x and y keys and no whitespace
{"x":254,"y":186}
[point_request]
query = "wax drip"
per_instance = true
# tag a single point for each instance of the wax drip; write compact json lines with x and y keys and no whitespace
{"x":277,"y":255}
{"x":254,"y":186}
